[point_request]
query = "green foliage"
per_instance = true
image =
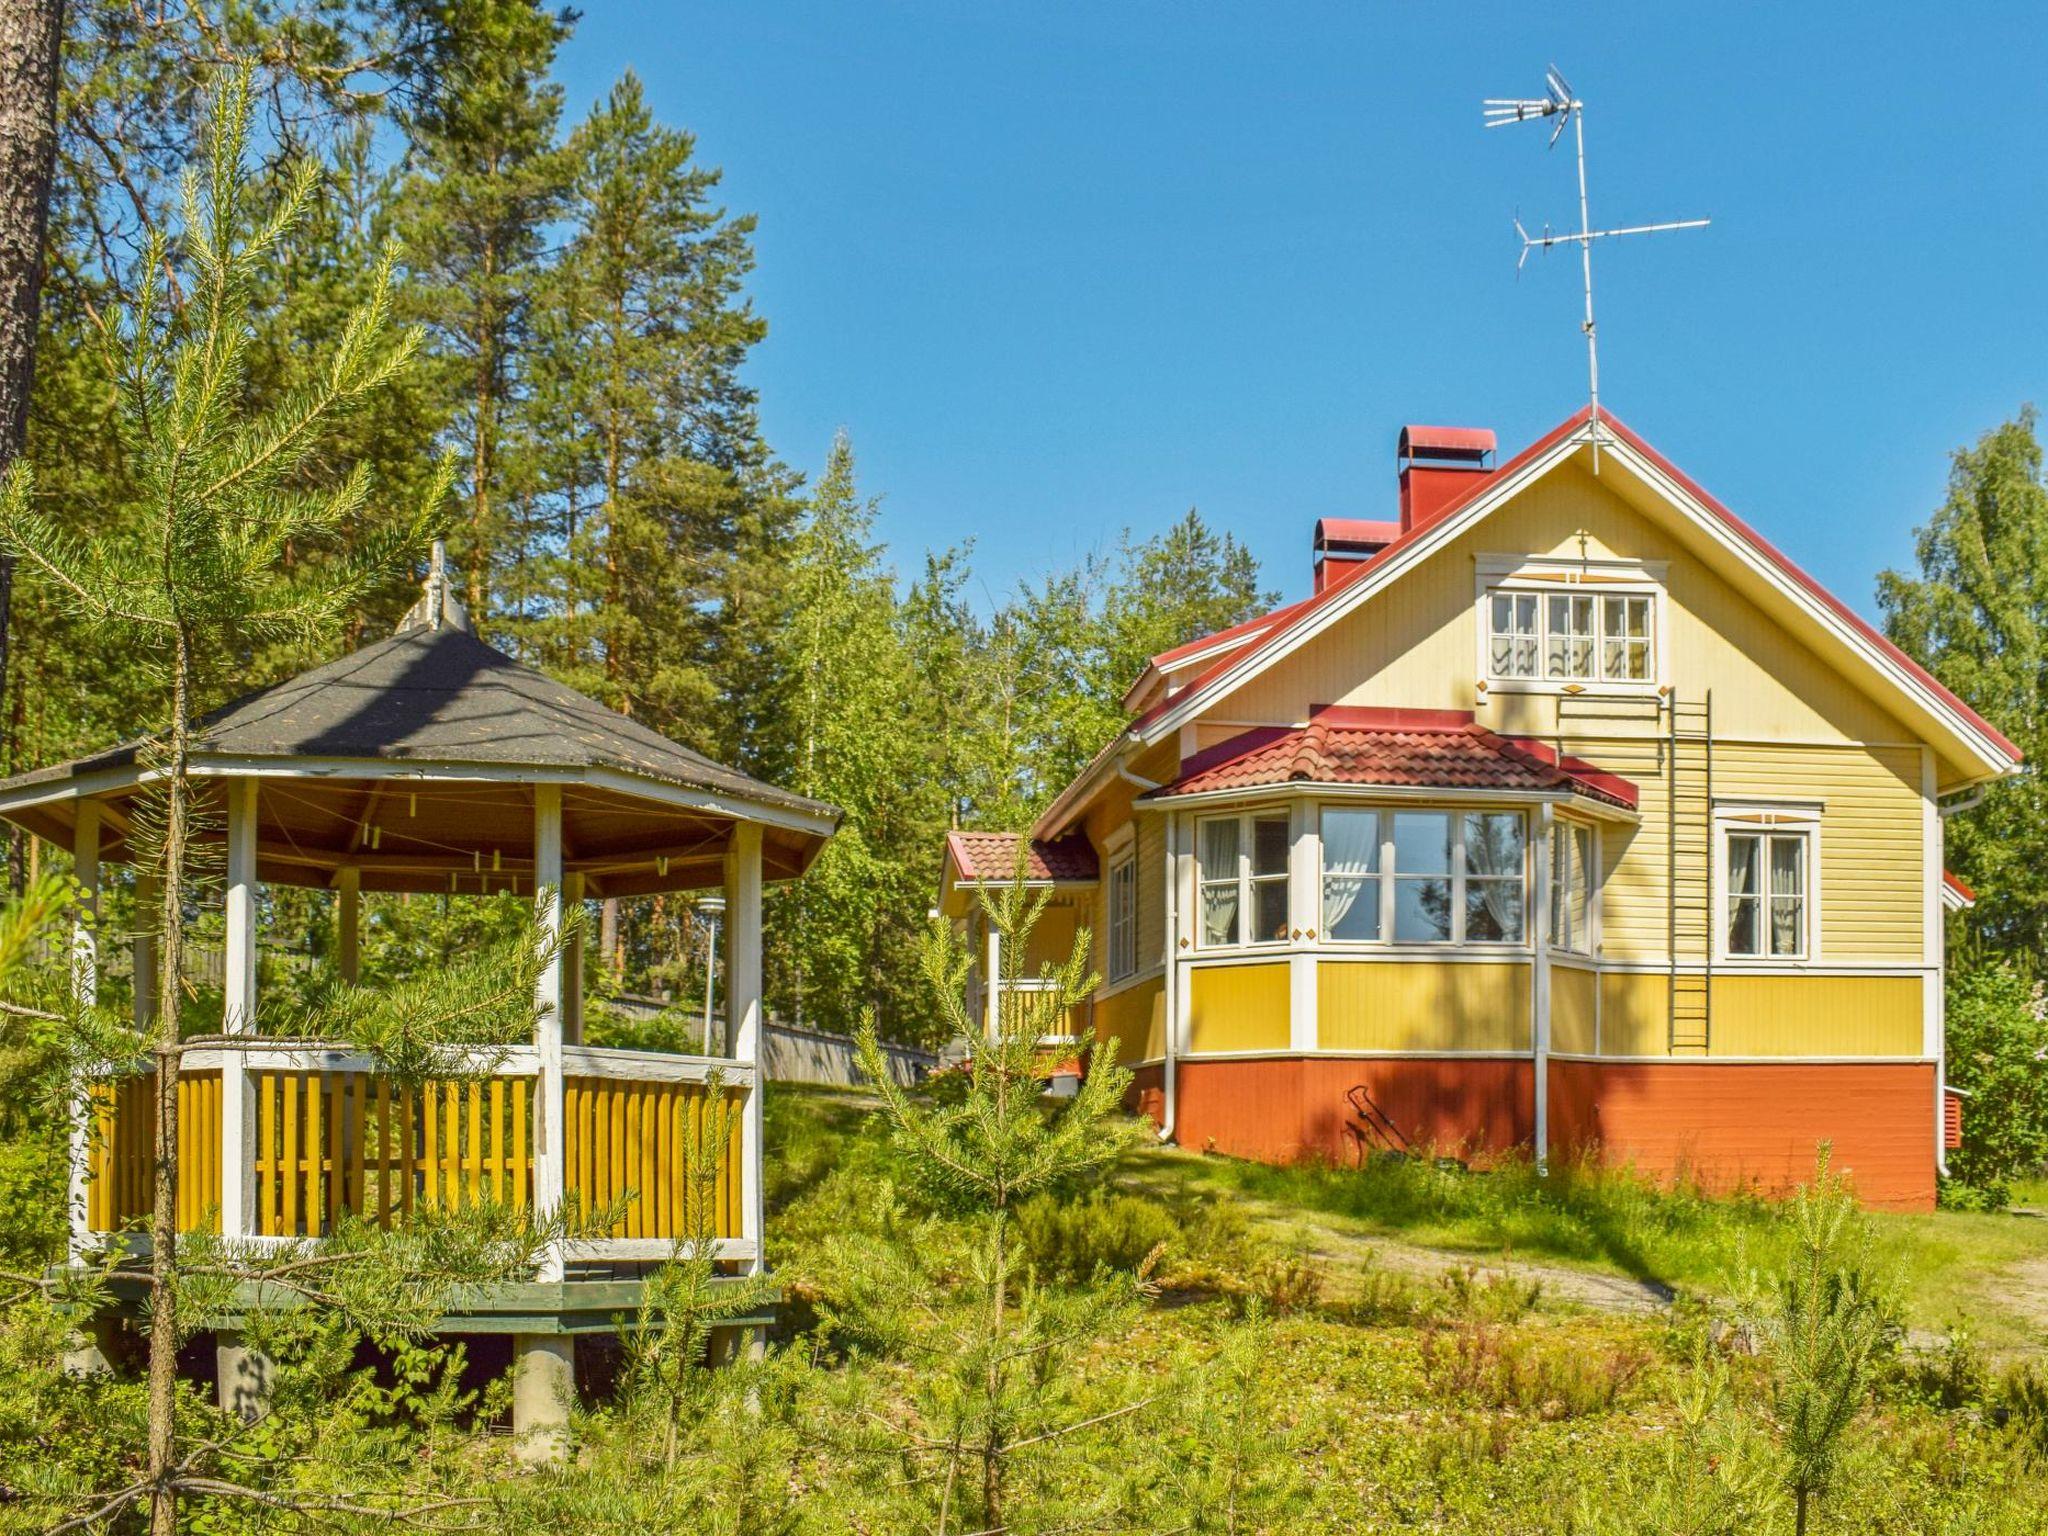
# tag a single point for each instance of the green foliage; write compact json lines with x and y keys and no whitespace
{"x":1997,"y":1046}
{"x":997,"y":1367}
{"x":1976,"y":616}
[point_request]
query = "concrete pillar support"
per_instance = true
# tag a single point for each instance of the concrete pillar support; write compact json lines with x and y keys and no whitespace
{"x":243,"y":1376}
{"x":543,"y":1387}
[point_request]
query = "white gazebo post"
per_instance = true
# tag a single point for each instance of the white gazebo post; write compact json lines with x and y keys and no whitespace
{"x":238,"y":986}
{"x":743,"y":1014}
{"x":85,"y":981}
{"x":348,"y":922}
{"x":242,"y":1375}
{"x":544,"y":1364}
{"x":551,"y":1143}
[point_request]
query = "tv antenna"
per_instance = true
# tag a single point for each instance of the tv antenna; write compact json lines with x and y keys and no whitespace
{"x":1557,"y":101}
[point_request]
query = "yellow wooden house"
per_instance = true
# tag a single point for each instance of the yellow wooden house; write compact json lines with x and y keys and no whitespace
{"x":1566,"y":815}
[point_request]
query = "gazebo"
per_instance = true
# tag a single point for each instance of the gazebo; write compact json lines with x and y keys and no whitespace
{"x":431,"y":762}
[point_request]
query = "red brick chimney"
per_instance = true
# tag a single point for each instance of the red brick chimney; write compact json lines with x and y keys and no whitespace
{"x":1439,"y":466}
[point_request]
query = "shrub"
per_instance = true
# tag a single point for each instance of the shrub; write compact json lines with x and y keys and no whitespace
{"x":1997,"y":1037}
{"x":1072,"y":1239}
{"x":1488,"y":1365}
{"x":1497,"y":1298}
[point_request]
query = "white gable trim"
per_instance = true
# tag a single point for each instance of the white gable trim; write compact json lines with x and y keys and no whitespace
{"x":1982,"y":749}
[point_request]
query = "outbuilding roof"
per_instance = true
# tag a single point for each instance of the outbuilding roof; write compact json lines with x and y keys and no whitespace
{"x":991,"y":858}
{"x":440,"y":696}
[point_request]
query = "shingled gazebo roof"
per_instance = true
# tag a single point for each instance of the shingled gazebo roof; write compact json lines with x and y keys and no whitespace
{"x":408,"y":759}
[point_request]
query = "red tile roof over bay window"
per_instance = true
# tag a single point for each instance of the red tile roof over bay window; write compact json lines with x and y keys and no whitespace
{"x":1397,"y":748}
{"x":991,"y":857}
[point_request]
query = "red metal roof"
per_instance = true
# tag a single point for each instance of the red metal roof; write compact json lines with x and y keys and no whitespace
{"x":1422,"y":749}
{"x":1960,"y":886}
{"x":1306,"y":609}
{"x":1245,"y":632}
{"x":992,"y":856}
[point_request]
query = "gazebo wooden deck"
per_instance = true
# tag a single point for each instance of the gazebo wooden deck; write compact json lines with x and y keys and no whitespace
{"x":430,"y":762}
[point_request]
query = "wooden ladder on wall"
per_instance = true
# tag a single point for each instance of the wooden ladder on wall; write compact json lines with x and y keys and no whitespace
{"x":1689,"y":868}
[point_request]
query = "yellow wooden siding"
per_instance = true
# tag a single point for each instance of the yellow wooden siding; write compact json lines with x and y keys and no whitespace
{"x":1817,"y":1016}
{"x":1135,"y":1019}
{"x":1238,"y":1007}
{"x":1788,"y":1015}
{"x":1051,"y":943}
{"x":1383,"y":1005}
{"x":1151,"y":845}
{"x":1871,"y":831}
{"x":350,"y":1141}
{"x":653,"y":1147}
{"x":1574,"y":1001}
{"x":1634,"y":1014}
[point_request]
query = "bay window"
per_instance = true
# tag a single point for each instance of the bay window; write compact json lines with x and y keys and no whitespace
{"x":1571,"y":888}
{"x":1424,"y":876}
{"x":1243,"y":878}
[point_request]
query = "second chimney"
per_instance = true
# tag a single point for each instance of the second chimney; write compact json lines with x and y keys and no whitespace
{"x":1438,"y":468}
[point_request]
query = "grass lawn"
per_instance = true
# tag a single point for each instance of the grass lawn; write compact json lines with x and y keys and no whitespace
{"x":1986,"y":1271}
{"x":1397,"y":1386}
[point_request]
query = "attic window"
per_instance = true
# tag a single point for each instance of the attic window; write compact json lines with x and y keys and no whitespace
{"x":1568,"y":633}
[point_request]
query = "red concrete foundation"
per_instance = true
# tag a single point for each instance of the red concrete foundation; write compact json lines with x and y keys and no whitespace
{"x":1725,"y":1127}
{"x":1283,"y":1109}
{"x":1755,"y":1126}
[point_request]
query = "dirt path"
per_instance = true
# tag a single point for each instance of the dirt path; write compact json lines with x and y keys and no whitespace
{"x":1349,"y":1253}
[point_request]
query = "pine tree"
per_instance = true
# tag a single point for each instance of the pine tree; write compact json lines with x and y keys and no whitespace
{"x":485,"y":184}
{"x":1825,"y":1323}
{"x":223,"y":496}
{"x":990,"y":1367}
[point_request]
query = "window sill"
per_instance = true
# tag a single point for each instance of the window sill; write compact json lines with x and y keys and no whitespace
{"x":1566,"y":686}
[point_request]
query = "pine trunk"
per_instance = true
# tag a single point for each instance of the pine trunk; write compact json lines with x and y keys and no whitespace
{"x":163,"y":1225}
{"x":31,"y":43}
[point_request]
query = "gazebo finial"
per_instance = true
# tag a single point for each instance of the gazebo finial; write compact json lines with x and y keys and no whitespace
{"x":438,"y":607}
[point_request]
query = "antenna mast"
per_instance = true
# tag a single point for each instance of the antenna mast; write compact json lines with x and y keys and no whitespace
{"x":1558,"y":101}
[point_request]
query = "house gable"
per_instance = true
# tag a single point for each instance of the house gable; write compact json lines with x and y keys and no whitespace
{"x":1415,"y":644}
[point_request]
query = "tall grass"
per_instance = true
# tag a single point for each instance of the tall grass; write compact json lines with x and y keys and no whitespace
{"x":1579,"y":1213}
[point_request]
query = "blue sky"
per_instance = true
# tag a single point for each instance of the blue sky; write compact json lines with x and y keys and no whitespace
{"x":1062,"y":269}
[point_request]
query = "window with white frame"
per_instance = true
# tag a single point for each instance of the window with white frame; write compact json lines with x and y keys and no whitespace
{"x":1123,"y":918}
{"x":1572,"y":880}
{"x":1243,"y":878}
{"x":1424,"y":876}
{"x":1766,"y":879}
{"x":1569,"y":635}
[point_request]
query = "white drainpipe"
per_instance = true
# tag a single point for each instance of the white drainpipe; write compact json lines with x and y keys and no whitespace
{"x":1170,"y":1072}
